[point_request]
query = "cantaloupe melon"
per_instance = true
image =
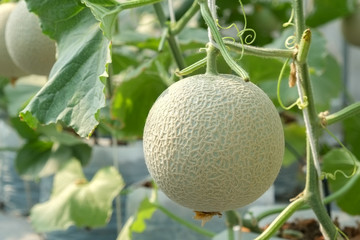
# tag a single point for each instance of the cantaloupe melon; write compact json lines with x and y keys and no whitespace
{"x":29,"y":48}
{"x":213,"y":142}
{"x":7,"y":66}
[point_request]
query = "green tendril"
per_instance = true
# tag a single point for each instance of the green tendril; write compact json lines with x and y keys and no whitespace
{"x":298,"y":101}
{"x":290,"y":42}
{"x":290,"y":21}
{"x":249,"y":39}
{"x":333,"y":175}
{"x":205,"y":12}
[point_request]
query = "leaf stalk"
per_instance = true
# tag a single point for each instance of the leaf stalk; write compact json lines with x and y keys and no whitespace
{"x":343,"y":114}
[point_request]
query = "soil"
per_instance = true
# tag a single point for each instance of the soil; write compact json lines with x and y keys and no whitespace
{"x":308,"y":229}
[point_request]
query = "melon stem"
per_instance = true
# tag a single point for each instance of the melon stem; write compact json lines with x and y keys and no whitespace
{"x":212,"y":53}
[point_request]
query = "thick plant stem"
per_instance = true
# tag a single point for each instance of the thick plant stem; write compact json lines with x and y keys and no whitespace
{"x":313,"y":199}
{"x":205,"y":12}
{"x":312,"y":192}
{"x":211,"y":60}
{"x":174,"y":46}
{"x":343,"y":190}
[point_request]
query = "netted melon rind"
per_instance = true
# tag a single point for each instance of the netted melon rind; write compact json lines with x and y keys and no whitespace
{"x":7,"y":67}
{"x":29,"y":48}
{"x":213,"y":143}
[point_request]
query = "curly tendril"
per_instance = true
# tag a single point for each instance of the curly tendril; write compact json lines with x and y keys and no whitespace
{"x":290,"y":42}
{"x":333,"y":175}
{"x":301,"y":105}
{"x":249,"y":39}
{"x":290,"y":21}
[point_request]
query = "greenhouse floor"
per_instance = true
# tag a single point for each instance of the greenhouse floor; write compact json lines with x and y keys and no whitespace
{"x":16,"y":228}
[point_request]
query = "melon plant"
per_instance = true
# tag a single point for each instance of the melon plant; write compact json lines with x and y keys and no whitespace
{"x":213,"y":142}
{"x":29,"y":48}
{"x":7,"y":67}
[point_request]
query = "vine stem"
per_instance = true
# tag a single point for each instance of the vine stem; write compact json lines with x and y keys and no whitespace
{"x":205,"y":12}
{"x":174,"y":46}
{"x":312,"y":192}
{"x":344,"y":189}
{"x":281,"y":218}
{"x":179,"y":25}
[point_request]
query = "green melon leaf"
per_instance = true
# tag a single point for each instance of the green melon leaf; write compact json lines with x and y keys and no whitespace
{"x":339,"y":159}
{"x":145,"y":212}
{"x":55,"y":133}
{"x":295,"y":138}
{"x":351,"y":132}
{"x":135,"y":96}
{"x":325,"y":11}
{"x":39,"y":158}
{"x":106,"y":12}
{"x":326,"y":84}
{"x":18,"y":95}
{"x":75,"y":201}
{"x":137,"y":222}
{"x":32,"y":160}
{"x":74,"y":93}
{"x":126,"y":233}
{"x":23,"y":129}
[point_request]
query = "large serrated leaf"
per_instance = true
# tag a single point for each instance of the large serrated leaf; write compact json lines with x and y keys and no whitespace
{"x":75,"y":201}
{"x":74,"y":93}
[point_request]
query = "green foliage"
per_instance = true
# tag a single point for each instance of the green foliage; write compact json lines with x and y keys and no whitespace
{"x":74,"y":93}
{"x":18,"y":95}
{"x":295,"y":143}
{"x":136,"y":223}
{"x":145,"y":212}
{"x":340,"y":159}
{"x":75,"y":201}
{"x":32,"y":159}
{"x":325,"y":73}
{"x":136,"y":94}
{"x":324,"y":11}
{"x":89,"y":38}
{"x":106,"y":13}
{"x":351,"y":133}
